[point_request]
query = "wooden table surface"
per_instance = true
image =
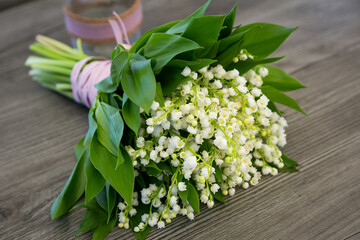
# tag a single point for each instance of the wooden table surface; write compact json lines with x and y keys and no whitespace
{"x":39,"y":129}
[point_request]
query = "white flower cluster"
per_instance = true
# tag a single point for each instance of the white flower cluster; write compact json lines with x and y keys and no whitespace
{"x":213,"y":133}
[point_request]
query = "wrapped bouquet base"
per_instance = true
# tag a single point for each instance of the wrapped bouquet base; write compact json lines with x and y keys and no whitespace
{"x":180,"y":119}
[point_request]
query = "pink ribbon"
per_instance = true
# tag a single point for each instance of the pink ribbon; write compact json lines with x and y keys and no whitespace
{"x":89,"y":71}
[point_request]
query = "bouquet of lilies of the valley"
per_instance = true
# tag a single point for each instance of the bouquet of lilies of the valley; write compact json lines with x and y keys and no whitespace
{"x":185,"y":116}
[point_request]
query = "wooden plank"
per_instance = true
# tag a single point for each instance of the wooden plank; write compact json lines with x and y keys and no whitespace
{"x":39,"y":130}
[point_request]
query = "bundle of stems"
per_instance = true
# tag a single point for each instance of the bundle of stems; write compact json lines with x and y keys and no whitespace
{"x":53,"y":69}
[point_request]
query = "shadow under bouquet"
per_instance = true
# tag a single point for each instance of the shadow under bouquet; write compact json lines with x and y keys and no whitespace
{"x":182,"y":117}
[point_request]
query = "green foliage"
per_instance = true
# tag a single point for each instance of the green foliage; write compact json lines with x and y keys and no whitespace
{"x":150,"y":70}
{"x":163,"y":47}
{"x":289,"y":164}
{"x":267,"y":39}
{"x":183,"y":24}
{"x":229,"y":22}
{"x":138,"y":82}
{"x":131,"y":114}
{"x":110,"y":127}
{"x":193,"y":197}
{"x":72,"y":190}
{"x":280,"y":80}
{"x":205,"y":31}
{"x":94,"y":180}
{"x":277,"y":96}
{"x":120,"y":178}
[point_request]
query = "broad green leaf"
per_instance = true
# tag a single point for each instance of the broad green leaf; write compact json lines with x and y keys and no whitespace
{"x":163,"y":47}
{"x":110,"y":199}
{"x":171,"y":78}
{"x":94,"y":217}
{"x":244,"y":66}
{"x":101,"y":199}
{"x":110,"y":127}
{"x":276,"y":96}
{"x":288,"y":169}
{"x":138,"y":82}
{"x":72,"y":190}
{"x":280,"y":80}
{"x":145,"y":37}
{"x":183,"y":194}
{"x":193,"y":65}
{"x":92,"y":125}
{"x":218,"y":196}
{"x":268,"y":39}
{"x":182,"y":25}
{"x":131,"y":114}
{"x":218,"y":173}
{"x":79,"y":149}
{"x":119,"y":59}
{"x":288,"y":161}
{"x":229,"y":22}
{"x":152,"y":169}
{"x":135,"y":220}
{"x":226,"y":57}
{"x":273,"y":108}
{"x":94,"y":180}
{"x":213,"y":51}
{"x":121,"y":178}
{"x":140,"y":180}
{"x":225,"y":43}
{"x":193,"y":197}
{"x":205,"y":31}
{"x":159,"y":97}
{"x":102,"y":230}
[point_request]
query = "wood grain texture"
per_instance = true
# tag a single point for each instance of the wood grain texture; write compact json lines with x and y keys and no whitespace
{"x":38,"y":129}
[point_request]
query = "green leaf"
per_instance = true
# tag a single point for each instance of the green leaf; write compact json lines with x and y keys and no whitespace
{"x":288,"y":161}
{"x":159,"y":97}
{"x":138,"y":82}
{"x":244,"y":66}
{"x":280,"y":80}
{"x":193,"y":197}
{"x":226,"y":57}
{"x":102,"y":230}
{"x":205,"y":31}
{"x":183,"y":194}
{"x":183,"y":24}
{"x":218,"y":196}
{"x":140,"y":180}
{"x":131,"y":114}
{"x":92,"y":125}
{"x":268,"y":39}
{"x":273,"y":108}
{"x":119,"y":60}
{"x":225,"y":43}
{"x":145,"y":37}
{"x":276,"y":96}
{"x":229,"y":22}
{"x":152,"y":169}
{"x":101,"y":199}
{"x":121,"y":178}
{"x":193,"y":65}
{"x":93,"y":218}
{"x":171,"y":78}
{"x":110,"y":199}
{"x":135,"y":220}
{"x":218,"y":173}
{"x":94,"y":180}
{"x":79,"y":149}
{"x":163,"y":47}
{"x":72,"y":190}
{"x":110,"y":126}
